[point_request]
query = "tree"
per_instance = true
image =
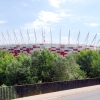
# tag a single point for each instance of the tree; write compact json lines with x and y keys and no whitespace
{"x":74,"y":71}
{"x":59,"y":70}
{"x":42,"y":63}
{"x":5,"y":59}
{"x":18,"y":72}
{"x":66,"y":68}
{"x":96,"y":65}
{"x":48,"y":67}
{"x":85,"y":60}
{"x":35,"y":66}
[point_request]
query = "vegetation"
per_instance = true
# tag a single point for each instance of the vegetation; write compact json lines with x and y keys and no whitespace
{"x":5,"y":59}
{"x":44,"y":66}
{"x":89,"y":62}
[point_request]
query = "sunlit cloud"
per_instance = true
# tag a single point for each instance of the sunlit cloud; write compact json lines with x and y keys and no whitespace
{"x":46,"y":19}
{"x":92,"y":24}
{"x":2,"y":21}
{"x":49,"y":16}
{"x":56,"y":3}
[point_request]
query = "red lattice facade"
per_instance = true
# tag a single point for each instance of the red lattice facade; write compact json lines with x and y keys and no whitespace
{"x":63,"y":49}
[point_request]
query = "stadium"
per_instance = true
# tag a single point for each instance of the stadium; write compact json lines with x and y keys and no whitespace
{"x":60,"y":48}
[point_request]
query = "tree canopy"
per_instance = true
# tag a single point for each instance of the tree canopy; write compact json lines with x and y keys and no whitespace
{"x":44,"y":66}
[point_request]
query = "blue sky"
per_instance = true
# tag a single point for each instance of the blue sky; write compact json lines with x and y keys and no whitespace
{"x":73,"y":15}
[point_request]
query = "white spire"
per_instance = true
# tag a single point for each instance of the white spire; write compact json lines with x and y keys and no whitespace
{"x":35,"y":36}
{"x":77,"y":42}
{"x":16,"y":41}
{"x":22,"y":39}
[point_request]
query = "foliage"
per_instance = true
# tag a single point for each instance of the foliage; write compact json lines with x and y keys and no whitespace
{"x":66,"y":68}
{"x":59,"y":69}
{"x":5,"y":59}
{"x":44,"y":66}
{"x":41,"y":64}
{"x":18,"y":72}
{"x":74,"y":71}
{"x":86,"y":60}
{"x":35,"y":65}
{"x":96,"y":65}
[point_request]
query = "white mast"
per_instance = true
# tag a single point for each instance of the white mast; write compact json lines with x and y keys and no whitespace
{"x":28,"y":40}
{"x":35,"y":36}
{"x":28,"y":37}
{"x":9,"y":38}
{"x":16,"y":41}
{"x":51,"y":36}
{"x":22,"y":39}
{"x":42,"y":37}
{"x":94,"y":39}
{"x":86,"y":40}
{"x":69,"y":38}
{"x":4,"y":37}
{"x":98,"y":41}
{"x":97,"y":44}
{"x":77,"y":42}
{"x":1,"y":42}
{"x":60,"y":37}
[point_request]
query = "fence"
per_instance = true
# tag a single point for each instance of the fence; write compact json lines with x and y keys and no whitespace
{"x":11,"y":92}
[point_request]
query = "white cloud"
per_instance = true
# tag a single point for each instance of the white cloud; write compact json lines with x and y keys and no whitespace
{"x":76,"y":18}
{"x":87,"y":17}
{"x":46,"y":19}
{"x":35,"y":24}
{"x":92,"y":24}
{"x":63,"y":14}
{"x":49,"y":16}
{"x":43,"y":21}
{"x":56,"y":3}
{"x":2,"y":21}
{"x":82,"y":1}
{"x":76,"y":0}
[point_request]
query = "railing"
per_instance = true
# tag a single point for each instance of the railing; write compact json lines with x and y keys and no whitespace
{"x":11,"y":92}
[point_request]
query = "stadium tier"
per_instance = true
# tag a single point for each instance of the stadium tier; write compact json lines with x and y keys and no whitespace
{"x":62,"y":49}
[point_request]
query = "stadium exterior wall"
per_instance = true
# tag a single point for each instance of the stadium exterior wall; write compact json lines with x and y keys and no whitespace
{"x":62,"y":49}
